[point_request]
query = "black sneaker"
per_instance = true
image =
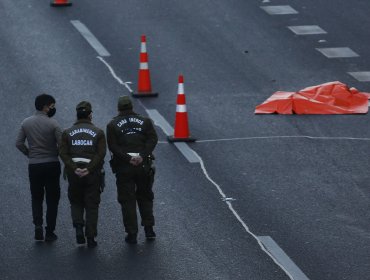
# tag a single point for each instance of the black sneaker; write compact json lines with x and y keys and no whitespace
{"x":149,"y":232}
{"x":131,"y":238}
{"x":50,"y":236}
{"x":91,"y":243}
{"x":80,"y":236}
{"x":39,"y":233}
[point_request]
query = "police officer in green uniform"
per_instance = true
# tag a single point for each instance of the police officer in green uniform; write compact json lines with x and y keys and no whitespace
{"x":131,"y":139}
{"x":82,"y":150}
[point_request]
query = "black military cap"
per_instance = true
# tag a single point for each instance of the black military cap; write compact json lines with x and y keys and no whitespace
{"x":124,"y":103}
{"x":84,"y":106}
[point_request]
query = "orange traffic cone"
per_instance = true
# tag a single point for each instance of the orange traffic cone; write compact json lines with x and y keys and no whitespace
{"x":144,"y":84}
{"x":60,"y":3}
{"x":181,"y":131}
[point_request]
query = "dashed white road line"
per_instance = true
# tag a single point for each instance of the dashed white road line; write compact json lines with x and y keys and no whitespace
{"x":90,"y":38}
{"x":307,"y":29}
{"x":344,"y":52}
{"x":187,"y":152}
{"x":361,"y":76}
{"x":160,"y":121}
{"x":279,"y":10}
{"x":284,"y":259}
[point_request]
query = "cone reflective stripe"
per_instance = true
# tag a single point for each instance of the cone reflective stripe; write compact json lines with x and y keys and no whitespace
{"x":181,"y":108}
{"x":144,"y":82}
{"x":181,"y":130}
{"x":145,"y":66}
{"x":60,"y":3}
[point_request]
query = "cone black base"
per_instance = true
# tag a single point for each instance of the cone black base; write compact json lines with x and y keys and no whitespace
{"x":60,"y":5}
{"x":144,"y":94}
{"x":173,"y":139}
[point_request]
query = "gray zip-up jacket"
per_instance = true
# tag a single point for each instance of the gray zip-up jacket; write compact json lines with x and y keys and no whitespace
{"x":43,"y":135}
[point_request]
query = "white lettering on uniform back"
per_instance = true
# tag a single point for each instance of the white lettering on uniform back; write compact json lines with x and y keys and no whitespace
{"x":82,"y":130}
{"x":135,"y":120}
{"x":82,"y":142}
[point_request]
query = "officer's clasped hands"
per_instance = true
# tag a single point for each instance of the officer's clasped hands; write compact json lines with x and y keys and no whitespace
{"x":136,"y":160}
{"x":81,"y":172}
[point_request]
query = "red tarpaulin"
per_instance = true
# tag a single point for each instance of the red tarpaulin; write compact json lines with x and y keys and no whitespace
{"x":327,"y":99}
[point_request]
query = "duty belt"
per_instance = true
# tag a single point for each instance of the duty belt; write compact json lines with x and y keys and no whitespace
{"x":81,"y":160}
{"x":134,"y":154}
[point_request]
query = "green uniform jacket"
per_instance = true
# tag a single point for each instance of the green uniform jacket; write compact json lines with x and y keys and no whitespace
{"x":131,"y":133}
{"x":83,"y":140}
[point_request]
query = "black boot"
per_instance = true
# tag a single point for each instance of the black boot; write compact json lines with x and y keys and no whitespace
{"x":80,"y":236}
{"x":91,"y":243}
{"x":39,"y":233}
{"x":149,"y":233}
{"x":131,"y":238}
{"x":50,"y":236}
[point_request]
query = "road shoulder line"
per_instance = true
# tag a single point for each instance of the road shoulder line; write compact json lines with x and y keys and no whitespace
{"x":283,"y":258}
{"x":90,"y":38}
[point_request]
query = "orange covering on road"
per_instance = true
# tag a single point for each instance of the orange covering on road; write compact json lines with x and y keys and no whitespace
{"x":326,"y":99}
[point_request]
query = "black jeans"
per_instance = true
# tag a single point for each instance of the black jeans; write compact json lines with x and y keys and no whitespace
{"x":44,"y":179}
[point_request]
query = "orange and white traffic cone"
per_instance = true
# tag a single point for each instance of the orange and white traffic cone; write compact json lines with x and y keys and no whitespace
{"x":181,"y":131}
{"x":60,"y":3}
{"x":144,"y":83}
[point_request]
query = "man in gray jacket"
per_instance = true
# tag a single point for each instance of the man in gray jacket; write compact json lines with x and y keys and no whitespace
{"x":43,"y":135}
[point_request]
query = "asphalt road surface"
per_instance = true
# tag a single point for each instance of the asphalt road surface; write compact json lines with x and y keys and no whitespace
{"x":256,"y":197}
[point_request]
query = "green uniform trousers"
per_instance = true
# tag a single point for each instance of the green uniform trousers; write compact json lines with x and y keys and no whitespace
{"x":84,"y":196}
{"x":134,"y":185}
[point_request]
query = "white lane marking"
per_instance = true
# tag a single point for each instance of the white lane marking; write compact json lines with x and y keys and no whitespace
{"x":363,"y":76}
{"x":160,"y":121}
{"x":279,"y":10}
{"x":90,"y":38}
{"x":337,"y":52}
{"x":288,"y":136}
{"x":186,"y":151}
{"x":307,"y":29}
{"x":244,"y":225}
{"x":323,"y":41}
{"x":283,"y":258}
{"x":126,"y":84}
{"x":228,"y":199}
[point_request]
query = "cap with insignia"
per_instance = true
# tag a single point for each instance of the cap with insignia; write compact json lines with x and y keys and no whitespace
{"x":124,"y":103}
{"x":84,"y":106}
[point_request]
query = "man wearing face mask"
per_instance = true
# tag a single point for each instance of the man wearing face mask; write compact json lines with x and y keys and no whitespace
{"x":43,"y":135}
{"x":82,"y":150}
